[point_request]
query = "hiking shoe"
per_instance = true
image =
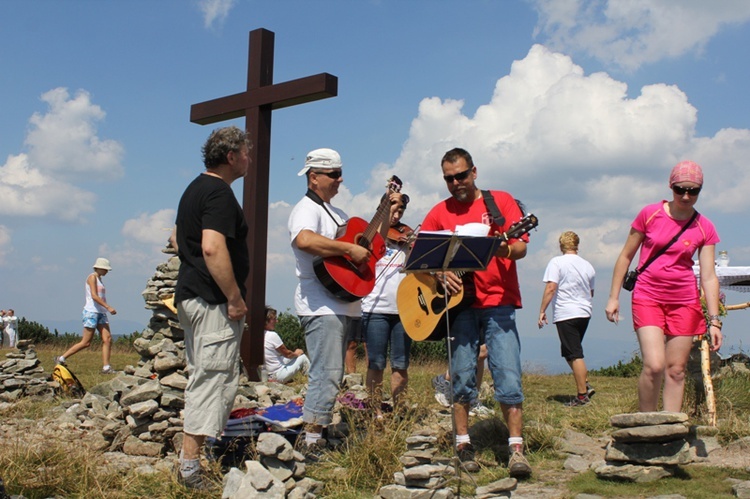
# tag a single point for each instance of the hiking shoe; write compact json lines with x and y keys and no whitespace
{"x":194,"y":481}
{"x":518,"y":466}
{"x":465,"y":453}
{"x":442,"y":390}
{"x":313,"y":452}
{"x":59,"y":360}
{"x":480,"y":410}
{"x":108,"y":370}
{"x":578,"y":401}
{"x":589,"y":390}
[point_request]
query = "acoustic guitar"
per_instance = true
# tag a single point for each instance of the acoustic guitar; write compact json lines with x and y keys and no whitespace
{"x":346,"y":280}
{"x":421,"y":296}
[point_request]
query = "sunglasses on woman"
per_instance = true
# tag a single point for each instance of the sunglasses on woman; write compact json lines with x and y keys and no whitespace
{"x":690,"y":191}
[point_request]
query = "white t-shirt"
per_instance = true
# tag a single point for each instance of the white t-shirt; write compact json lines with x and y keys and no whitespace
{"x":388,"y":275}
{"x":273,"y":359}
{"x":91,"y":305}
{"x":10,"y":322}
{"x":311,"y":297}
{"x":575,"y":278}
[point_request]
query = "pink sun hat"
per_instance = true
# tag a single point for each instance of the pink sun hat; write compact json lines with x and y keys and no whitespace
{"x":686,"y":171}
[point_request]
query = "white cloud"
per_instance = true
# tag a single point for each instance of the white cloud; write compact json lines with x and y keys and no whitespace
{"x":26,"y":191}
{"x":628,"y":34}
{"x":578,"y":151}
{"x":64,"y":141}
{"x":215,"y":11}
{"x":5,"y":243}
{"x":153,"y":228}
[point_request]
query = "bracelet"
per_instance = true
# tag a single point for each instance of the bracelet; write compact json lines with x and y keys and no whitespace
{"x":719,"y":325}
{"x":510,"y":251}
{"x":714,"y":318}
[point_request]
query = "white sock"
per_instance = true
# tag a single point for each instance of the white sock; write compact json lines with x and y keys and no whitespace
{"x":106,"y":367}
{"x":312,"y":438}
{"x":515,"y":441}
{"x":462,"y":439}
{"x":62,"y":359}
{"x":189,"y":466}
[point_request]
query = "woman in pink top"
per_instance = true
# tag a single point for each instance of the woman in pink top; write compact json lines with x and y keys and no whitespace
{"x":666,"y":301}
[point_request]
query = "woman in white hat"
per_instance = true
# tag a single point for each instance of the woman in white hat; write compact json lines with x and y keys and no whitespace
{"x":95,"y":316}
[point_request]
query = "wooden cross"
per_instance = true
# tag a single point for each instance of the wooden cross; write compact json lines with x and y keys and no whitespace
{"x":255,"y":104}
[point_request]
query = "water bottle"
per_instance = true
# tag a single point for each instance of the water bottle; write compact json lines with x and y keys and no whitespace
{"x":723,"y":260}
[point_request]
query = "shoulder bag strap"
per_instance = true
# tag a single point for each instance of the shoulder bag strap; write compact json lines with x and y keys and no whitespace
{"x":670,"y":243}
{"x":489,"y":202}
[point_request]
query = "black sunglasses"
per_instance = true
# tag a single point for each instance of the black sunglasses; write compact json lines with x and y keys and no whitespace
{"x":458,"y":176}
{"x":690,"y":191}
{"x":335,"y":174}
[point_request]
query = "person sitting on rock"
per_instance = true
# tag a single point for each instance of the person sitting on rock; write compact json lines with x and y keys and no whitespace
{"x":281,"y":363}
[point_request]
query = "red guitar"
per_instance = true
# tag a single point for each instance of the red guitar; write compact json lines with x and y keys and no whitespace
{"x":346,"y":280}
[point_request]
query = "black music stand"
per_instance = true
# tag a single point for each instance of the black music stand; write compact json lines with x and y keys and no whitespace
{"x":447,"y":251}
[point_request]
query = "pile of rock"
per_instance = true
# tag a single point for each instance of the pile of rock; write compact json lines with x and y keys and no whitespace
{"x":427,"y":474}
{"x":647,"y":446}
{"x":279,"y":472}
{"x":22,"y":375}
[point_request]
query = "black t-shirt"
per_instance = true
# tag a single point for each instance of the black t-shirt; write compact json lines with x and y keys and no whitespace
{"x":209,"y":203}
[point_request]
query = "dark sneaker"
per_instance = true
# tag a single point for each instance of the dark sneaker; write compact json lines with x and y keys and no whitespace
{"x":108,"y":370}
{"x":589,"y":390}
{"x":578,"y":401}
{"x":518,"y":466}
{"x":59,"y":360}
{"x":313,"y":452}
{"x":465,"y":453}
{"x":195,"y":481}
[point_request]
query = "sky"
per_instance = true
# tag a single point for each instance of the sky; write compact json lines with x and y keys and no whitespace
{"x":577,"y":107}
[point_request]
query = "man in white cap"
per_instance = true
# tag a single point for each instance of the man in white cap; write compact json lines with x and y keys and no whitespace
{"x":210,"y":236}
{"x":314,"y":225}
{"x":94,"y":316}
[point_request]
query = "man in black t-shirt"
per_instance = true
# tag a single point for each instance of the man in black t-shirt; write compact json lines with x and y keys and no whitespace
{"x":210,"y":236}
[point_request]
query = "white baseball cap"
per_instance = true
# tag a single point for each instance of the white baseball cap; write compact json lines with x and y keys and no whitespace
{"x":321,"y":158}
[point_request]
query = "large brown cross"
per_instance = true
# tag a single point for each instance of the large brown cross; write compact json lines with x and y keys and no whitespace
{"x":255,"y":104}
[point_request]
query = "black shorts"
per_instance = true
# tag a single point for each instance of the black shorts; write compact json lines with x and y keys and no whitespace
{"x":571,"y":334}
{"x":355,"y":332}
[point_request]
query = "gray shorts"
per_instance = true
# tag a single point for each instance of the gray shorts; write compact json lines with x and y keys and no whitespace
{"x":212,"y":348}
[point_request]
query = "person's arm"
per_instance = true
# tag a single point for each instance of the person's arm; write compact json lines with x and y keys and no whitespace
{"x":632,"y":244}
{"x":318,"y":245}
{"x":219,"y":263}
{"x":283,"y":350}
{"x":91,"y":282}
{"x":513,"y":251}
{"x":710,"y":286}
{"x":173,"y":239}
{"x":549,"y":292}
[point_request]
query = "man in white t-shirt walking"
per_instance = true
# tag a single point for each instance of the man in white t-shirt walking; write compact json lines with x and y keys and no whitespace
{"x":281,"y":363}
{"x":570,"y":282}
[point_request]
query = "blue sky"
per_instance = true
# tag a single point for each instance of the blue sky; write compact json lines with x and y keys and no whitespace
{"x":579,"y":108}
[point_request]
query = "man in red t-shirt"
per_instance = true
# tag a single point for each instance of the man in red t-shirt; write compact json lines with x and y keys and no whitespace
{"x":493,"y":311}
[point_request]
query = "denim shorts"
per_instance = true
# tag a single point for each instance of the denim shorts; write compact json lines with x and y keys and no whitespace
{"x":93,"y":319}
{"x":355,"y":331}
{"x":380,"y":331}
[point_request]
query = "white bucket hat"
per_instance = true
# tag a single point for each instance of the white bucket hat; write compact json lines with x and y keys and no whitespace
{"x":321,"y":158}
{"x":102,"y":263}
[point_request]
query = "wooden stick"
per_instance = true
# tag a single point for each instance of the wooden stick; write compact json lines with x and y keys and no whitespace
{"x":739,"y":306}
{"x":708,"y":384}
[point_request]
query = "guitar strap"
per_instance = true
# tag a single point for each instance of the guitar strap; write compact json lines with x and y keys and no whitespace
{"x":318,"y":200}
{"x":489,"y":202}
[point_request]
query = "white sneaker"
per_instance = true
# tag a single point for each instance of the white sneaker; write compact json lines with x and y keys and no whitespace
{"x":441,"y":399}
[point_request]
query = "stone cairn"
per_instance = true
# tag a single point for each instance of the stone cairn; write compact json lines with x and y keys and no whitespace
{"x":646,"y":446}
{"x":428,"y":475}
{"x":22,"y":375}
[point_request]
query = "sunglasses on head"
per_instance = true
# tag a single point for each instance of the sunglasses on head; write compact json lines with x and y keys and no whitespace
{"x":690,"y":191}
{"x":458,"y":176}
{"x":335,"y":174}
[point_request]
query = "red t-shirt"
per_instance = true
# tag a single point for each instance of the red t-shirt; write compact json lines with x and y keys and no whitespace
{"x":498,"y":285}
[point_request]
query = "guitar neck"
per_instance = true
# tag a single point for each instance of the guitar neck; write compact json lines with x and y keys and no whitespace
{"x":377,"y":221}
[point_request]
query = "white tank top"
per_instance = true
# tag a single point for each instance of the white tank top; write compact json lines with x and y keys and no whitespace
{"x":91,"y":305}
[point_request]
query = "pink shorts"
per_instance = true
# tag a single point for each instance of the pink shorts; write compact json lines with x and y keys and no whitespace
{"x":675,"y":319}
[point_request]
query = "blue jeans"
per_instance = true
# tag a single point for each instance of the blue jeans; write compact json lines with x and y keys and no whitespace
{"x":380,"y":331}
{"x":464,"y":344}
{"x":324,"y":337}
{"x":503,"y":350}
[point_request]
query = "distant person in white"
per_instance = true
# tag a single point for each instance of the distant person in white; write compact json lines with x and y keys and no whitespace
{"x":570,"y":282}
{"x":281,"y":363}
{"x":10,"y":325}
